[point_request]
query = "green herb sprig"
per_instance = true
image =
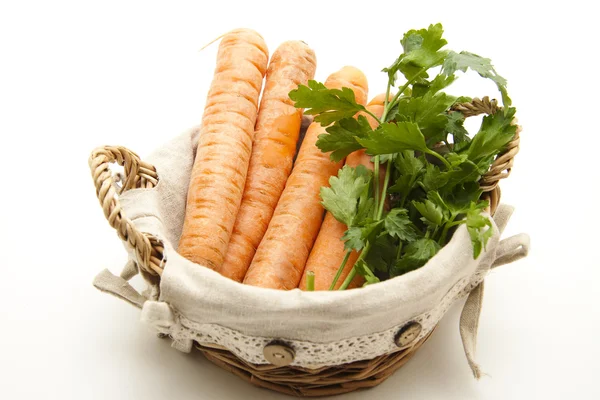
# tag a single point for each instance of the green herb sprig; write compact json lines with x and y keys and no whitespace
{"x":432,"y":166}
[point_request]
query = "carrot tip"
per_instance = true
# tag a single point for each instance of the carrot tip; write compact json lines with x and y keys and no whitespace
{"x":212,"y":41}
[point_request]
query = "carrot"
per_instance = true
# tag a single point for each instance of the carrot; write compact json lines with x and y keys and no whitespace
{"x":275,"y":137}
{"x":224,"y":147}
{"x":328,"y":251}
{"x":280,"y":257}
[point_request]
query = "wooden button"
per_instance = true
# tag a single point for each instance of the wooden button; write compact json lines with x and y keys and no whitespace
{"x":279,"y":354}
{"x":407,"y":334}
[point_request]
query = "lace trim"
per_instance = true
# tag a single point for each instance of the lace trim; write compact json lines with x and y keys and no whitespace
{"x":316,"y":355}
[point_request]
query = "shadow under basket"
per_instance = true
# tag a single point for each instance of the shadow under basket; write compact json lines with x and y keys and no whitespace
{"x":278,"y":376}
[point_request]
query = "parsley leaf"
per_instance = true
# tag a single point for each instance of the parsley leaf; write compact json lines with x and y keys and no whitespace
{"x":398,"y":224}
{"x":437,"y":84}
{"x":456,"y":159}
{"x":328,"y":105}
{"x":382,"y":254}
{"x":461,"y":196}
{"x":393,"y":138}
{"x":433,"y":178}
{"x":340,"y":138}
{"x":417,"y":254}
{"x":345,"y":193}
{"x":356,"y":237}
{"x":383,"y":158}
{"x":465,"y":171}
{"x":432,"y":213}
{"x":479,"y":227}
{"x":462,"y":170}
{"x":436,"y":199}
{"x":366,"y":203}
{"x":483,"y":66}
{"x":421,"y":52}
{"x":353,"y":239}
{"x":495,"y":133}
{"x":427,"y":111}
{"x":410,"y":168}
{"x":454,"y":126}
{"x":408,"y":164}
{"x":363,"y":269}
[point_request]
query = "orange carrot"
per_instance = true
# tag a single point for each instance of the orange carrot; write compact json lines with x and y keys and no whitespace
{"x":328,"y":251}
{"x":275,"y":137}
{"x":224,"y":147}
{"x":280,"y":257}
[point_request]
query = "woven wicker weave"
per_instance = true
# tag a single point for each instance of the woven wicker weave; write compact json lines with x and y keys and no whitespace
{"x":288,"y":379}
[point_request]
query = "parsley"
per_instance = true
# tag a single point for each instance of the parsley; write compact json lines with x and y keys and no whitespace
{"x":328,"y":105}
{"x":347,"y":196}
{"x":361,"y":267}
{"x":341,"y":137}
{"x":357,"y":236}
{"x":495,"y":133}
{"x":398,"y":224}
{"x":425,"y":110}
{"x":417,"y":254}
{"x":411,"y":167}
{"x":432,"y":164}
{"x":455,"y":127}
{"x":394,"y":138}
{"x":432,"y":214}
{"x":382,"y":255}
{"x":421,"y":52}
{"x":483,"y":66}
{"x":479,"y":227}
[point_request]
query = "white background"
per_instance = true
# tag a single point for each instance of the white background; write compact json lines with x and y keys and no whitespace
{"x":78,"y":75}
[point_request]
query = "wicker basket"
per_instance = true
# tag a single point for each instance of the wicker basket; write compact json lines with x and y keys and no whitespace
{"x":287,"y":379}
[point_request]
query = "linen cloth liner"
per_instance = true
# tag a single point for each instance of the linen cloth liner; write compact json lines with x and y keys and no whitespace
{"x":206,"y":301}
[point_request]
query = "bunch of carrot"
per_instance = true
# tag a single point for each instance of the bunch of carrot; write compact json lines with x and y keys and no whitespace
{"x":253,"y":213}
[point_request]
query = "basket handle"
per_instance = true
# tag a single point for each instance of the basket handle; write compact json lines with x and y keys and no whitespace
{"x":137,"y":174}
{"x":502,"y":165}
{"x":504,"y":161}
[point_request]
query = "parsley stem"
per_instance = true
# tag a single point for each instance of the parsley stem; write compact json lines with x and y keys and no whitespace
{"x":386,"y":101}
{"x":352,"y":273}
{"x":448,"y":225}
{"x":399,"y":253}
{"x":411,"y":186}
{"x":440,"y":157}
{"x":444,"y":234}
{"x":405,"y":86}
{"x":401,"y":90}
{"x":373,"y":115}
{"x":384,"y":189}
{"x":340,"y":269}
{"x":348,"y":279}
{"x":379,"y":203}
{"x":376,"y":185}
{"x":310,"y":281}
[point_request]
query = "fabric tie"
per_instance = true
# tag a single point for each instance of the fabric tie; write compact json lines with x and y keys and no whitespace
{"x":106,"y":282}
{"x":159,"y":315}
{"x":509,"y":250}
